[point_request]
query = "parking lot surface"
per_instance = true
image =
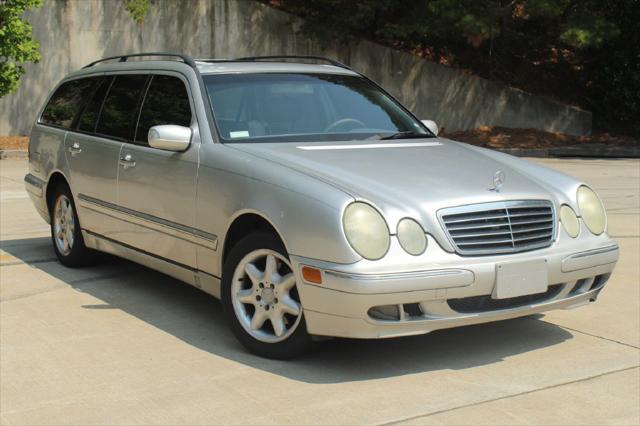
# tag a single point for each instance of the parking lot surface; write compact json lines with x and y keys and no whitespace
{"x":118,"y":343}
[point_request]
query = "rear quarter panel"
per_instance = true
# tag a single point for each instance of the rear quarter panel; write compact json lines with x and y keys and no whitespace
{"x":47,"y":153}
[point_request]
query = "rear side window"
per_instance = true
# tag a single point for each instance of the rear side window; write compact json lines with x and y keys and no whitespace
{"x":118,"y":111}
{"x":166,"y":102}
{"x":67,"y":101}
{"x":89,"y":116}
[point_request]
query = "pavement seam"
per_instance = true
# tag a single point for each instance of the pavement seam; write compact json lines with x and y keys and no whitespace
{"x":592,"y":335}
{"x":24,"y":235}
{"x":74,"y":285}
{"x":474,"y":404}
{"x":13,"y":263}
{"x":11,"y":179}
{"x":28,"y":262}
{"x":33,"y":293}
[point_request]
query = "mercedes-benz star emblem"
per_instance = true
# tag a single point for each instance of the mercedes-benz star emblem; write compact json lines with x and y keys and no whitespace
{"x":498,"y":181}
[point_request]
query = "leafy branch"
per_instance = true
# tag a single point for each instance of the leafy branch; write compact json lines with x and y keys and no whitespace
{"x":137,"y":9}
{"x":17,"y":45}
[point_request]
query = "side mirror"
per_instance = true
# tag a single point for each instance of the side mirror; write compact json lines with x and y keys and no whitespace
{"x":431,"y":125}
{"x":169,"y":137}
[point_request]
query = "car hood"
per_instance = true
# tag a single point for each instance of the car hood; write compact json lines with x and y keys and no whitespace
{"x":415,"y":177}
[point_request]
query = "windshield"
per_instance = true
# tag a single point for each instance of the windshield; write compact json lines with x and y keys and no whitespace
{"x":304,"y":107}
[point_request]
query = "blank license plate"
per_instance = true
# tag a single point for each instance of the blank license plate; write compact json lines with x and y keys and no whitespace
{"x":520,"y":278}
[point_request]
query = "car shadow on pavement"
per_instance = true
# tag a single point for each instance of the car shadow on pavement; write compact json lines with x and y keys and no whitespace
{"x":196,"y":318}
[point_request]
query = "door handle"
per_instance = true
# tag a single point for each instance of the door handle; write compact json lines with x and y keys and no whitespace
{"x":127,"y":161}
{"x":75,"y":149}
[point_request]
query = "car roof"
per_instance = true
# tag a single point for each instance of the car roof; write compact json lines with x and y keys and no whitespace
{"x":222,"y":67}
{"x":213,"y":66}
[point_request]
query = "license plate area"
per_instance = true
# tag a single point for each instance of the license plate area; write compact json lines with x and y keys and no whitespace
{"x":515,"y":279}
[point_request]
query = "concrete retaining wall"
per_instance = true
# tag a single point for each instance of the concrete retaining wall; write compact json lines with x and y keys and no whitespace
{"x":73,"y":33}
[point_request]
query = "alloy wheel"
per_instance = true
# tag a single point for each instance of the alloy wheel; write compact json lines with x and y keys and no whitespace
{"x":264,"y":296}
{"x":64,"y":225}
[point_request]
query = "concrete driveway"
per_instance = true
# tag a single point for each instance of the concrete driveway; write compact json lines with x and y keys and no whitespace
{"x":121,"y":344}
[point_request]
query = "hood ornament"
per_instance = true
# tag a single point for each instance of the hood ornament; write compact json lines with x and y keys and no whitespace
{"x":498,"y":181}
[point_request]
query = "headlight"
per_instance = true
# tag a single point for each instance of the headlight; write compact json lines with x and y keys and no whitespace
{"x":366,"y":231}
{"x":569,"y":221}
{"x":411,"y":237}
{"x":591,"y":210}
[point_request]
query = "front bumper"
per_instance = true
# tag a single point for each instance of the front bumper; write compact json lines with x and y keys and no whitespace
{"x":455,"y":292}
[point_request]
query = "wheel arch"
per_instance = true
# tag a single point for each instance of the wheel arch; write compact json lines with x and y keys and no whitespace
{"x":56,"y":178}
{"x":242,"y":224}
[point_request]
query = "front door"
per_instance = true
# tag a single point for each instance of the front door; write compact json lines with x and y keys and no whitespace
{"x":157,"y":188}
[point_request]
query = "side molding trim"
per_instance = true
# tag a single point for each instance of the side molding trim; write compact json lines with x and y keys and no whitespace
{"x":193,"y":235}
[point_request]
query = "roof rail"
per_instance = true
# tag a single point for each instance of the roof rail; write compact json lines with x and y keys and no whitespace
{"x":123,"y":58}
{"x":271,"y":58}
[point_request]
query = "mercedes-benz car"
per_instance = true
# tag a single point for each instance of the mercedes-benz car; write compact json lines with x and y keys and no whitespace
{"x":307,"y":199}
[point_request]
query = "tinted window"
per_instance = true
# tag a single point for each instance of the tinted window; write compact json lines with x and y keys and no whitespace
{"x":89,"y":116}
{"x":166,"y":102}
{"x":300,"y":107}
{"x":118,"y":112}
{"x":67,"y":101}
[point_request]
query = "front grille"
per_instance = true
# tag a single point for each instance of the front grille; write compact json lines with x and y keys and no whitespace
{"x":477,"y":304}
{"x":499,"y":227}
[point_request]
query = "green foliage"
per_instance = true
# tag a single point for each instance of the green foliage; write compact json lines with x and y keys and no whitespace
{"x":585,"y":52}
{"x":17,"y":44}
{"x":137,"y":9}
{"x":613,"y":70}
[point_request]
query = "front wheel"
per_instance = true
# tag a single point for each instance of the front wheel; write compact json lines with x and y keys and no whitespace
{"x":261,"y":300}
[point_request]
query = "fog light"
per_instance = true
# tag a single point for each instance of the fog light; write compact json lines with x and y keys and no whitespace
{"x":385,"y":312}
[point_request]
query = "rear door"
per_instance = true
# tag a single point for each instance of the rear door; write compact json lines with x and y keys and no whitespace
{"x":156,"y":187}
{"x":92,"y":161}
{"x":94,"y":148}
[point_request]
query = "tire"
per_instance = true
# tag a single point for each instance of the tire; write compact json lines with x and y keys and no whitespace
{"x":265,"y":314}
{"x":65,"y":230}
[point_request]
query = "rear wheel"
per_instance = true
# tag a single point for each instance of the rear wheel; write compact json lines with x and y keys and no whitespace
{"x":261,"y":299}
{"x":65,"y":230}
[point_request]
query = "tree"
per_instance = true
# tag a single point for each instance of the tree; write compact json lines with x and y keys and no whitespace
{"x":17,"y":45}
{"x":584,"y":52}
{"x":137,"y":9}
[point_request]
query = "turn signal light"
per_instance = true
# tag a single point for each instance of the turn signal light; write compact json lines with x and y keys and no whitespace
{"x":312,"y":275}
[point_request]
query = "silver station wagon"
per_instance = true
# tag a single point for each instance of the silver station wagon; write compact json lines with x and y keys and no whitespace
{"x":307,"y":199}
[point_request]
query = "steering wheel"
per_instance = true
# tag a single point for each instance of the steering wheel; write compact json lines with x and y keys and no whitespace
{"x":336,"y":124}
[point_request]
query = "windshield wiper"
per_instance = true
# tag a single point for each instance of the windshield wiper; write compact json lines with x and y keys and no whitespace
{"x":406,"y":135}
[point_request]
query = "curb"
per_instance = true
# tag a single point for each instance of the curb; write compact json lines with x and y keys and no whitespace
{"x":576,"y":151}
{"x":13,"y":153}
